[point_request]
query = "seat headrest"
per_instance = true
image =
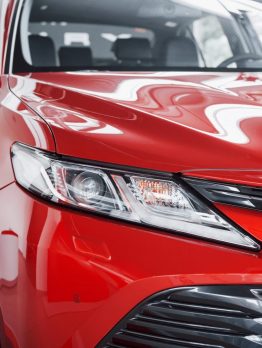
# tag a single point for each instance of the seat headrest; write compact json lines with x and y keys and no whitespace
{"x":75,"y":56}
{"x":42,"y":51}
{"x":181,"y":52}
{"x":132,"y":49}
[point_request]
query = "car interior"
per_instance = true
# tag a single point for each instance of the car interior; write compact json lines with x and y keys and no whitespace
{"x":113,"y":34}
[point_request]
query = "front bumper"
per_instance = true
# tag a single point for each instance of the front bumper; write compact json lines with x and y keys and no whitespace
{"x":80,"y":274}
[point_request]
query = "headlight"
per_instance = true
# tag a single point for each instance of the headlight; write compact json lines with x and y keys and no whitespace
{"x":154,"y":200}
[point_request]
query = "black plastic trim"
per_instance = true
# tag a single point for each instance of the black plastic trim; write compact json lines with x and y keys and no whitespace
{"x":243,"y":196}
{"x":222,"y":316}
{"x":12,"y":36}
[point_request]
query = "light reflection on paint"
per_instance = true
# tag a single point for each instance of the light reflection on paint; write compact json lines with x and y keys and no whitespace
{"x":127,"y":90}
{"x":227,"y":118}
{"x":61,"y":118}
{"x":8,"y":258}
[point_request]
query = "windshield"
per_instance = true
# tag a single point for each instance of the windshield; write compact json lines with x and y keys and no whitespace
{"x":137,"y":35}
{"x":254,"y":16}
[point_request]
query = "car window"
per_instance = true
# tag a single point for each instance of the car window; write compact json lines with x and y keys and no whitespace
{"x":100,"y":38}
{"x":212,"y":40}
{"x":256,"y":22}
{"x":124,"y":35}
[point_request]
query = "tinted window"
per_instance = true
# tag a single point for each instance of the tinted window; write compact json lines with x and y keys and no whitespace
{"x":124,"y":34}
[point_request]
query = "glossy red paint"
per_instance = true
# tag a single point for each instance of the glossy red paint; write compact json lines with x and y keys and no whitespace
{"x":18,"y":123}
{"x":238,"y":176}
{"x":171,"y":122}
{"x":79,"y":274}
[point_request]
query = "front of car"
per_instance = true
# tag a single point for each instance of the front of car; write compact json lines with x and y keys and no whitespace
{"x":132,"y":187}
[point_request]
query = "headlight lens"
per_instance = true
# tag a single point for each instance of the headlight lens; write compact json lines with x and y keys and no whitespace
{"x":151,"y":200}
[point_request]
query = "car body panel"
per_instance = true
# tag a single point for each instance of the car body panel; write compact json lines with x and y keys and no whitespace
{"x":196,"y":124}
{"x":171,"y":122}
{"x":78,"y":273}
{"x":18,"y":123}
{"x":92,"y":119}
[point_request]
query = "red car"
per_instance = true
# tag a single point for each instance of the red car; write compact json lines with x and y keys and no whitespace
{"x":130,"y":174}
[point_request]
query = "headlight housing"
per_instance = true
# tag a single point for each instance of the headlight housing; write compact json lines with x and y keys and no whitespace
{"x":156,"y":200}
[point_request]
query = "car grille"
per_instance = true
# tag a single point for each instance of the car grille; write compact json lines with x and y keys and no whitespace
{"x":195,"y":317}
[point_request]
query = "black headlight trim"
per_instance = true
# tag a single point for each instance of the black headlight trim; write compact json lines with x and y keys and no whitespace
{"x":242,"y":196}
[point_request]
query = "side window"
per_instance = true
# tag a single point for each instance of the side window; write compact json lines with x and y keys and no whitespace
{"x":212,"y":40}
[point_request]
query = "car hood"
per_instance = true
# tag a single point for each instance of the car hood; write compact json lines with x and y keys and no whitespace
{"x":207,"y":123}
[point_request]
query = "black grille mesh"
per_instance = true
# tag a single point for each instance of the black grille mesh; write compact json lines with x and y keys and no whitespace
{"x":195,"y":317}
